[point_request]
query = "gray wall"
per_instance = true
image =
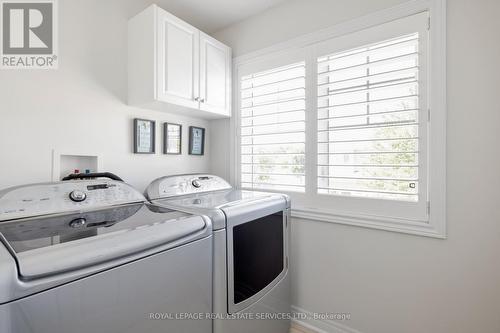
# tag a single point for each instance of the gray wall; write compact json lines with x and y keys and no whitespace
{"x":390,"y":282}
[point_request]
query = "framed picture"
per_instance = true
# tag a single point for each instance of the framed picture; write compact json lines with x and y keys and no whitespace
{"x":144,"y":136}
{"x":172,"y":139}
{"x":196,"y":140}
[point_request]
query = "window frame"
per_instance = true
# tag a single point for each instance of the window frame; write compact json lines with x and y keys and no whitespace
{"x":370,"y":206}
{"x":308,"y":48}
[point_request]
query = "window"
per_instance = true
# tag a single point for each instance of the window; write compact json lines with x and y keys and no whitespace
{"x":342,"y":124}
{"x":368,"y":106}
{"x":273,"y":129}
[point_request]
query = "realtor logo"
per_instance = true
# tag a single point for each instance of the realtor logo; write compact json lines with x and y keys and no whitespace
{"x":28,"y":34}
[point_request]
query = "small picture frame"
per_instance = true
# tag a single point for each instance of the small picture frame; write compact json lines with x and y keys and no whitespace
{"x":172,"y":139}
{"x":196,"y":140}
{"x":144,"y":136}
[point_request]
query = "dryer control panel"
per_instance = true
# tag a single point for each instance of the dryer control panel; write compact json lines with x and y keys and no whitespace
{"x":60,"y":197}
{"x":171,"y":186}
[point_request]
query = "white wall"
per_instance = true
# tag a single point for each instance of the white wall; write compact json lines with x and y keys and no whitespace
{"x":390,"y":282}
{"x":292,"y":19}
{"x":220,"y":152}
{"x":81,"y":107}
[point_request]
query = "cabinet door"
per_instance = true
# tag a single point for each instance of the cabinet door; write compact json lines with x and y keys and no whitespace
{"x":215,"y":76}
{"x":178,"y":61}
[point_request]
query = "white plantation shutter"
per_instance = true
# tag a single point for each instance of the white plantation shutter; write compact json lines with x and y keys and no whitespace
{"x":374,"y":158}
{"x":272,"y":129}
{"x":368,"y":123}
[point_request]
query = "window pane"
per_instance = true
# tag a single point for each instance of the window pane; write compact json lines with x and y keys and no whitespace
{"x":368,"y":121}
{"x":272,"y":129}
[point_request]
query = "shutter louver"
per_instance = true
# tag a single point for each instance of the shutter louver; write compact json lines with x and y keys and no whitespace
{"x":273,"y":129}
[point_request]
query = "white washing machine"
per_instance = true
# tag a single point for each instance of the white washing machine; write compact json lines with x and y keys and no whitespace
{"x":251,"y":236}
{"x":93,"y":256}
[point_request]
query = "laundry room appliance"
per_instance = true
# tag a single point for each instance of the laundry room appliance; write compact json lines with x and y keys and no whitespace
{"x":251,"y":237}
{"x":93,"y":256}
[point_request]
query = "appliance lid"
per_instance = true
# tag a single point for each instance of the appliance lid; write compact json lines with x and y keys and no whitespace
{"x":58,"y":243}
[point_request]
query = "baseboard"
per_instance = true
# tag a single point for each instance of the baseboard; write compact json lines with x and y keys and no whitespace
{"x":310,"y":325}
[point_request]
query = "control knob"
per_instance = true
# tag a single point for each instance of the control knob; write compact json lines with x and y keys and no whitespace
{"x":77,"y":196}
{"x":196,"y":183}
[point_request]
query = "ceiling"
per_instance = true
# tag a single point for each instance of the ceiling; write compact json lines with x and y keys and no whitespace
{"x":213,"y":15}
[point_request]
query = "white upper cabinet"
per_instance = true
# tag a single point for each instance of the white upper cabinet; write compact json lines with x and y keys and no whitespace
{"x":215,"y":76}
{"x":178,"y":61}
{"x":174,"y":67}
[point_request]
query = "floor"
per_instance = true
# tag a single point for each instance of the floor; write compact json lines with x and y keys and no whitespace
{"x":296,"y":328}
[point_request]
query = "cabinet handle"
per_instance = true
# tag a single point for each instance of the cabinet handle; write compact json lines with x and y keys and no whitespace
{"x":202,"y":100}
{"x":197,"y":99}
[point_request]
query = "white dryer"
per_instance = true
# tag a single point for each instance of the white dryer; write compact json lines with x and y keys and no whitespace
{"x":94,"y":256}
{"x":251,"y":236}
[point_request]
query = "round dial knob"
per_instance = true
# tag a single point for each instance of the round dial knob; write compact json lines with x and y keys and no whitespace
{"x":196,"y":183}
{"x":77,"y":196}
{"x":78,"y":223}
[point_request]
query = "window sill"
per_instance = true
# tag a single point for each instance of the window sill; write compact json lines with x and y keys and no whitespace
{"x":387,"y":224}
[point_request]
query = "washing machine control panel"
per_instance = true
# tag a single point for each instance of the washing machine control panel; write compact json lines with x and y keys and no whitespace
{"x":171,"y":186}
{"x":49,"y":198}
